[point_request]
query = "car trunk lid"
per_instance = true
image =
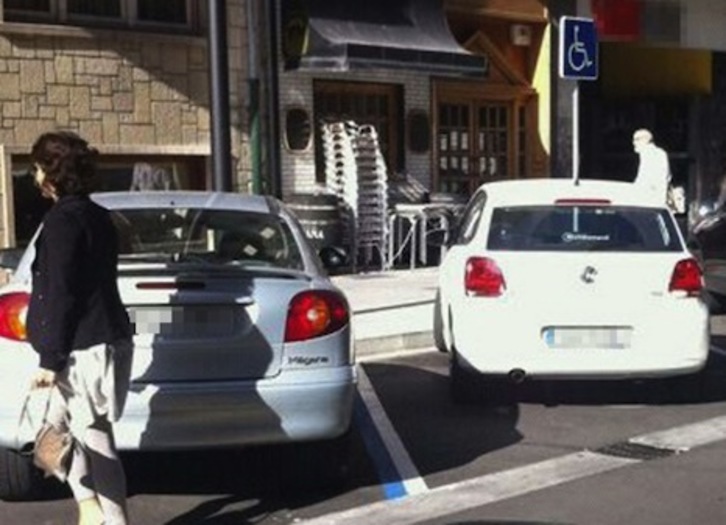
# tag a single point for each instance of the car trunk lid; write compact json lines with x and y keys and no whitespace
{"x":203,"y":326}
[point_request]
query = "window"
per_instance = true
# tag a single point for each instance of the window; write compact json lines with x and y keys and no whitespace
{"x":582,"y":228}
{"x":470,"y":218}
{"x":228,"y":237}
{"x":114,"y":174}
{"x":174,"y":14}
{"x":107,"y":9}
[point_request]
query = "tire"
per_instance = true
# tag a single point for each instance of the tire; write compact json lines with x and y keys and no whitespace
{"x":20,"y":480}
{"x":465,"y":385}
{"x":439,"y":340}
{"x":715,"y":302}
{"x":469,"y":387}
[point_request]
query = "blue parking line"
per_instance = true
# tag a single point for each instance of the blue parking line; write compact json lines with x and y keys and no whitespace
{"x":393,"y":487}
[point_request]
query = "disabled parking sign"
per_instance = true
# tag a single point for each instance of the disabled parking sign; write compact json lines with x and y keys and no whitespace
{"x":578,"y":51}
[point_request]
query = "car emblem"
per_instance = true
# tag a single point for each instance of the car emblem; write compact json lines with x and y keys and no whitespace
{"x":588,"y":275}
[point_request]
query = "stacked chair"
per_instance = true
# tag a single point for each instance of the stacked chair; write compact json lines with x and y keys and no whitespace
{"x":356,"y":172}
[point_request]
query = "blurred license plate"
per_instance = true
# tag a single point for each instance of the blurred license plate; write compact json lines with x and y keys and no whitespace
{"x":579,"y":337}
{"x":184,"y":321}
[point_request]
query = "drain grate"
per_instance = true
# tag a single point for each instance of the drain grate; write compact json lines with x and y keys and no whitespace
{"x":629,"y":450}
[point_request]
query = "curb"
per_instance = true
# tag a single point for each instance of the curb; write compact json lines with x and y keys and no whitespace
{"x":391,"y":343}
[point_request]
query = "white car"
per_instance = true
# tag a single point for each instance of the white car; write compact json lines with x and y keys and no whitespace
{"x":553,"y":279}
{"x":240,"y":337}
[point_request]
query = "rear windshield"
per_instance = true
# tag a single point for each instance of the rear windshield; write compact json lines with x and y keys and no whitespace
{"x":582,"y":228}
{"x":205,"y":236}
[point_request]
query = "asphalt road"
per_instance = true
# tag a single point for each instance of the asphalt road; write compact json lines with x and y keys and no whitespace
{"x":556,"y":456}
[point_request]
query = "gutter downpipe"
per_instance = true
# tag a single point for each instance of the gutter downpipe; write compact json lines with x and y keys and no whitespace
{"x":273,"y":161}
{"x":219,"y":96}
{"x":253,"y":104}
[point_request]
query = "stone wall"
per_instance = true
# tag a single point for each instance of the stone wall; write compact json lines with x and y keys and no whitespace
{"x":129,"y":93}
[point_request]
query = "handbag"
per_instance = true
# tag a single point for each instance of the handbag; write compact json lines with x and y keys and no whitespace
{"x":53,"y":448}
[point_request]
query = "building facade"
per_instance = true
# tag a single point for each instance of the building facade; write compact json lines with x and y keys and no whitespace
{"x":662,"y":67}
{"x":132,"y":77}
{"x":448,"y":119}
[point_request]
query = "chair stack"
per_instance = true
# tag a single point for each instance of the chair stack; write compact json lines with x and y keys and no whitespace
{"x":372,"y":233}
{"x":341,"y":173}
{"x":356,"y":172}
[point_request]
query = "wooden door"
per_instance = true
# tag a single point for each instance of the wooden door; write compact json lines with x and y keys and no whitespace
{"x":474,"y":145}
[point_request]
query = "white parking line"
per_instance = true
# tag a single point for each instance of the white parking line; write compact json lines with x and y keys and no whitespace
{"x":476,"y":492}
{"x":410,"y":477}
{"x":717,"y":350}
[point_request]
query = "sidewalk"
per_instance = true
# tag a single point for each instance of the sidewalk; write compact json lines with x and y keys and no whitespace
{"x":392,"y":310}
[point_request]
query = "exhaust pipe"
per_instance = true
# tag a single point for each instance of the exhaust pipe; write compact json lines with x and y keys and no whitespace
{"x":517,"y":375}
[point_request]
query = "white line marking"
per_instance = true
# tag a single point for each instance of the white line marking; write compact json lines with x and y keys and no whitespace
{"x":465,"y":495}
{"x":410,"y":477}
{"x":686,"y":437}
{"x":717,"y":350}
{"x":476,"y":492}
{"x":393,"y":354}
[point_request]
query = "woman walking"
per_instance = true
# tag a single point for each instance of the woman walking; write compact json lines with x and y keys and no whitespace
{"x":78,"y":324}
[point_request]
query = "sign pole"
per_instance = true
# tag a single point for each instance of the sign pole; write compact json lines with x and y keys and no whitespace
{"x":576,"y":133}
{"x":578,"y":60}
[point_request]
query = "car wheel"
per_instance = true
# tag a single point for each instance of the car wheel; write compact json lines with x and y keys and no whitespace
{"x":20,"y":480}
{"x":439,"y":341}
{"x":465,"y":385}
{"x":714,"y":302}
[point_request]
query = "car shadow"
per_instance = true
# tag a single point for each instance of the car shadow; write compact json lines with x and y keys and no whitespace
{"x":439,"y":434}
{"x":241,"y":485}
{"x":238,"y":486}
{"x":706,"y":386}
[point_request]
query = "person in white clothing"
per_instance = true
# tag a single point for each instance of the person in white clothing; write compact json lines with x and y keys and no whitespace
{"x":654,"y":173}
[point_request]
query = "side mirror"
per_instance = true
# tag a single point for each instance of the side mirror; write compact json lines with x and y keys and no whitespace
{"x":10,"y":258}
{"x":438,"y":238}
{"x":334,"y":258}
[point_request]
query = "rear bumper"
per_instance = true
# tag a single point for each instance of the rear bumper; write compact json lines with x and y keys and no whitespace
{"x":293,"y":406}
{"x":673,"y":343}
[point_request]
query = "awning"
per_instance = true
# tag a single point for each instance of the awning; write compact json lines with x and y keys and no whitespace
{"x":344,"y":35}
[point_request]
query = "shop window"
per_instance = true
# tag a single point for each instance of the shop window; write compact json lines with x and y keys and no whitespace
{"x":298,"y":129}
{"x":174,"y":14}
{"x":114,"y":174}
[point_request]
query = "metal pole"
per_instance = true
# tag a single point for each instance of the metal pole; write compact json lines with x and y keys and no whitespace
{"x":576,"y":133}
{"x":219,"y":96}
{"x":253,"y":84}
{"x":274,"y":161}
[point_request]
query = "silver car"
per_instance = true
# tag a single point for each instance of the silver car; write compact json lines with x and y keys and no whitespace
{"x":240,"y":336}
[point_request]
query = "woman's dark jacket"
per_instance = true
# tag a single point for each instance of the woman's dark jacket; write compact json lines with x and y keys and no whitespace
{"x":75,"y":302}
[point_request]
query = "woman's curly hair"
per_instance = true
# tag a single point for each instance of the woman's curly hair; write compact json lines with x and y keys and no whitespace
{"x":68,"y":161}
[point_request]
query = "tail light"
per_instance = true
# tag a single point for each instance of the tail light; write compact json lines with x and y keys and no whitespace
{"x":687,"y":277}
{"x":314,"y":314}
{"x":483,"y":277}
{"x":13,"y":309}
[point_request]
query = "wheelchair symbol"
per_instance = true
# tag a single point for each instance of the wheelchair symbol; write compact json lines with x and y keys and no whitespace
{"x":577,"y":55}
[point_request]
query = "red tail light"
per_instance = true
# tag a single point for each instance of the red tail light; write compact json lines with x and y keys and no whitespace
{"x":483,"y":277}
{"x":687,"y":277}
{"x":315,"y":313}
{"x":13,"y":307}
